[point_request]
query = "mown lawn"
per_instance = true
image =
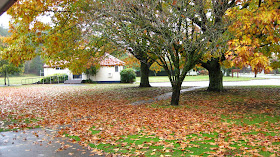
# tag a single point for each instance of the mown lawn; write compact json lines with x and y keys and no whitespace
{"x":198,"y":78}
{"x":16,"y":80}
{"x":240,"y":121}
{"x":28,"y":79}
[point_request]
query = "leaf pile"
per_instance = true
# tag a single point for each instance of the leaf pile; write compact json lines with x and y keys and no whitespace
{"x":240,"y":121}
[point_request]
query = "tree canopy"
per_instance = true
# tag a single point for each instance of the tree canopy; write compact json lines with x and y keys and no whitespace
{"x":177,"y":35}
{"x":242,"y":31}
{"x":161,"y":30}
{"x":68,"y":39}
{"x":256,"y":35}
{"x":7,"y":68}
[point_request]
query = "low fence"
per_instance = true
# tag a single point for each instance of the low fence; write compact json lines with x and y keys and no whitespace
{"x":29,"y":81}
{"x":45,"y":80}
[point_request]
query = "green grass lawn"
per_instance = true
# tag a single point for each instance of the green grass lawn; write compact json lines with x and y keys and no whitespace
{"x":197,"y":78}
{"x":25,"y":79}
{"x":241,"y":121}
{"x":28,"y":79}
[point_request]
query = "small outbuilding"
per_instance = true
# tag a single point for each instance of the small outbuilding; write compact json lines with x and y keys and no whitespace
{"x":109,"y":71}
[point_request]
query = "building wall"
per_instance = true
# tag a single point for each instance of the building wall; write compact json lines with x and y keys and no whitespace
{"x":107,"y":73}
{"x":192,"y":73}
{"x":53,"y":71}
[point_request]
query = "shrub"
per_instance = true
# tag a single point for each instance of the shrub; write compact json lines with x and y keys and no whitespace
{"x":55,"y":79}
{"x":92,"y":70}
{"x":88,"y":81}
{"x":203,"y":72}
{"x":128,"y":75}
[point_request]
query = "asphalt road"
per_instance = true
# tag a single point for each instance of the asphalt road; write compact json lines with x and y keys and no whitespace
{"x":39,"y":143}
{"x":267,"y":80}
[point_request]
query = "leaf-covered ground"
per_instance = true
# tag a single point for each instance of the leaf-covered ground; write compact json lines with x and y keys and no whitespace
{"x":240,"y":121}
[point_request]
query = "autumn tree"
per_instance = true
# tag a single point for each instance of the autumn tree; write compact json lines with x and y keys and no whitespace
{"x":73,"y":37}
{"x":120,"y":31}
{"x":127,"y":34}
{"x":210,"y":17}
{"x":7,"y":69}
{"x":161,"y":31}
{"x":138,"y":48}
{"x":256,"y":35}
{"x":137,"y":27}
{"x":68,"y":39}
{"x":238,"y":24}
{"x":132,"y":62}
{"x":175,"y":34}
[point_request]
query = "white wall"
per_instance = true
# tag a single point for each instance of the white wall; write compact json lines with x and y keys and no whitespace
{"x":53,"y":71}
{"x":107,"y":73}
{"x":192,"y":73}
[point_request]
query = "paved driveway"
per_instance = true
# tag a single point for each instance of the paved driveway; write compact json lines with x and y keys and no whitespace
{"x":274,"y":81}
{"x":39,"y":143}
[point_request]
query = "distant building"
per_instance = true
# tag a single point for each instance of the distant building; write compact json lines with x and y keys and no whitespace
{"x":109,"y":71}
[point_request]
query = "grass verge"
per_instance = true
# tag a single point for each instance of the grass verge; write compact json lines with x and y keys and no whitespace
{"x":18,"y":79}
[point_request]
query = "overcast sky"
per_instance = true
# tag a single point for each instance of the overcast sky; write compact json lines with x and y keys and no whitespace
{"x":4,"y":20}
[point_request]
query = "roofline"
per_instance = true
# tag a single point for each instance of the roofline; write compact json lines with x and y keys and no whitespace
{"x":54,"y":66}
{"x":6,"y":6}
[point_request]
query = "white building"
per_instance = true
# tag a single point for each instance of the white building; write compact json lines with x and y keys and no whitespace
{"x":192,"y":73}
{"x":109,"y":71}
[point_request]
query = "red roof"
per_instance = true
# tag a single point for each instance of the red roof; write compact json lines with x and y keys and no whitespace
{"x":109,"y":60}
{"x":106,"y":60}
{"x":56,"y":64}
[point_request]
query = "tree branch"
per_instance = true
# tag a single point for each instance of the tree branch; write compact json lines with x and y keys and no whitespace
{"x":231,"y":4}
{"x":204,"y":65}
{"x":245,"y":5}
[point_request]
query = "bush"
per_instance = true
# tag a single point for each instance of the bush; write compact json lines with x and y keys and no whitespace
{"x":128,"y":75}
{"x":92,"y":70}
{"x":54,"y":79}
{"x":88,"y":81}
{"x":203,"y":72}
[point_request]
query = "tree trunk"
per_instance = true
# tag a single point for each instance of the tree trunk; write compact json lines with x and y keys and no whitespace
{"x":144,"y":82}
{"x":5,"y":74}
{"x":5,"y":79}
{"x":256,"y":74}
{"x":215,"y":76}
{"x":8,"y":79}
{"x":176,"y":88}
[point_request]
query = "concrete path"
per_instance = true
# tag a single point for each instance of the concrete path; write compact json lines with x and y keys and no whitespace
{"x":274,"y":81}
{"x":165,"y":96}
{"x":271,"y":76}
{"x":204,"y":84}
{"x":39,"y":143}
{"x":73,"y":82}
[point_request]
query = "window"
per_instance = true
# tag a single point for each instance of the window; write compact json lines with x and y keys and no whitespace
{"x":79,"y":76}
{"x":116,"y":68}
{"x":59,"y":68}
